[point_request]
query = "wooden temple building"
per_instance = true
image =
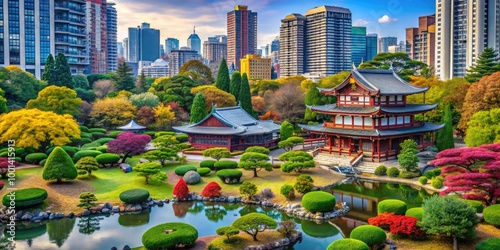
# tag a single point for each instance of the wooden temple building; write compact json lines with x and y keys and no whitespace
{"x":371,"y":116}
{"x":232,"y":128}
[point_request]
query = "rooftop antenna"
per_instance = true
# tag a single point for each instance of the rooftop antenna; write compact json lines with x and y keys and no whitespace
{"x":194,"y":29}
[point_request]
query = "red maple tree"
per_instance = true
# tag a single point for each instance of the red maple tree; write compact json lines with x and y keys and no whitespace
{"x":4,"y":165}
{"x":181,"y":189}
{"x":211,"y":190}
{"x":128,"y":144}
{"x":398,"y":225}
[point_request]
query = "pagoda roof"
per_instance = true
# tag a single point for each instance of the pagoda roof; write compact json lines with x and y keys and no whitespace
{"x":237,"y":120}
{"x":409,"y":108}
{"x":427,"y":127}
{"x":132,"y":125}
{"x":379,"y":81}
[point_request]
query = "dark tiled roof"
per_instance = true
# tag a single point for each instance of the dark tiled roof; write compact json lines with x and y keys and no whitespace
{"x":344,"y":109}
{"x":409,"y":108}
{"x":388,"y":82}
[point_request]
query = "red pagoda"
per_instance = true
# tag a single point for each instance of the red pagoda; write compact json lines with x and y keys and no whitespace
{"x":371,"y":117}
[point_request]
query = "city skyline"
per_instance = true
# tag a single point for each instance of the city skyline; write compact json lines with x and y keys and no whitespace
{"x":177,"y":18}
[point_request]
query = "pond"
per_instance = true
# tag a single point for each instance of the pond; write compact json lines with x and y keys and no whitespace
{"x":104,"y":232}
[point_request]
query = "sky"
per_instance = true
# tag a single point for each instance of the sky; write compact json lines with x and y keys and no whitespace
{"x":176,"y":18}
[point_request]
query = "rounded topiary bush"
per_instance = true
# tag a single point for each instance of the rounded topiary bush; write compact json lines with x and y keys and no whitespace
{"x":98,"y":130}
{"x":208,"y":164}
{"x":97,"y":135}
{"x":393,"y":172}
{"x":135,"y":195}
{"x":416,"y":212}
{"x":104,"y":140}
{"x":318,"y":201}
{"x":287,"y":191}
{"x":229,"y":175}
{"x":225,"y":164}
{"x":429,"y":174}
{"x":26,"y":197}
{"x":42,"y":162}
{"x":351,"y":244}
{"x":489,"y":244}
{"x":437,"y":183}
{"x":392,"y":206}
{"x":162,"y":133}
{"x":107,"y":159}
{"x":477,"y":205}
{"x":35,"y":158}
{"x":157,"y":238}
{"x":80,"y":154}
{"x":492,"y":215}
{"x":114,"y":133}
{"x":203,"y":171}
{"x":422,"y":180}
{"x":85,"y":135}
{"x":102,"y":149}
{"x":381,"y":170}
{"x":84,"y":129}
{"x":192,"y":177}
{"x":370,"y":235}
{"x":182,"y":137}
{"x":182,"y":170}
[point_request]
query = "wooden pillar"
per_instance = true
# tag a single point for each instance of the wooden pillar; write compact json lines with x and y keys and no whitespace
{"x":373,"y":149}
{"x":387,"y":153}
{"x":378,"y":149}
{"x":339,"y":144}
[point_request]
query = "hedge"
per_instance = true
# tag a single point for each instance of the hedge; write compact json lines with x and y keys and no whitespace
{"x":42,"y":162}
{"x":90,"y":146}
{"x":230,"y":175}
{"x":489,"y":244}
{"x":423,"y":180}
{"x":99,"y":130}
{"x":477,"y":205}
{"x":97,"y":135}
{"x":182,"y":137}
{"x":35,"y":158}
{"x":348,"y":243}
{"x":26,"y":197}
{"x":203,"y":171}
{"x":162,"y":133}
{"x":429,"y":174}
{"x":318,"y":201}
{"x":83,"y":153}
{"x":104,"y":140}
{"x":208,"y":164}
{"x":102,"y":149}
{"x":17,"y":150}
{"x":437,"y":172}
{"x":416,"y":212}
{"x":437,"y":183}
{"x":370,"y":235}
{"x":151,"y":133}
{"x":381,"y":170}
{"x":225,"y":164}
{"x":393,"y":172}
{"x":184,"y":169}
{"x":133,"y":196}
{"x":84,"y":129}
{"x":179,"y":234}
{"x":107,"y":158}
{"x":115,"y":133}
{"x":392,"y":206}
{"x":492,"y":215}
{"x":85,"y":135}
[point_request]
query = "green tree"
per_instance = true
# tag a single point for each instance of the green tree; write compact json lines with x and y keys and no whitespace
{"x":248,"y":189}
{"x":234,"y":84}
{"x":253,"y":223}
{"x":400,"y":63}
{"x":227,"y":231}
{"x":296,"y":161}
{"x":487,"y":63}
{"x":87,"y":200}
{"x":258,"y":149}
{"x":124,"y":78}
{"x":145,"y":99}
{"x":3,"y":102}
{"x":19,"y":86}
{"x":290,"y":143}
{"x":198,"y":110}
{"x":141,"y":83}
{"x":58,"y":231}
{"x":255,"y":162}
{"x":213,"y":95}
{"x":176,"y":89}
{"x":313,"y":98}
{"x":244,"y":97}
{"x":151,"y":171}
{"x":167,"y":149}
{"x":80,"y":81}
{"x":58,"y":166}
{"x":61,"y":75}
{"x":304,"y":184}
{"x":217,"y":153}
{"x":200,"y":70}
{"x":86,"y":165}
{"x":222,"y":81}
{"x":483,"y":128}
{"x":407,"y":158}
{"x":49,"y":68}
{"x":449,"y":216}
{"x":60,"y":100}
{"x":445,"y":135}
{"x":286,"y":130}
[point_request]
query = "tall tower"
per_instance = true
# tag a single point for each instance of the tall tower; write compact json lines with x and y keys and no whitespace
{"x":292,"y":45}
{"x":420,"y":42}
{"x":112,"y":37}
{"x":371,"y":46}
{"x":194,"y":41}
{"x":358,"y":45}
{"x":143,"y":43}
{"x":241,"y":34}
{"x":171,"y":44}
{"x":96,"y":21}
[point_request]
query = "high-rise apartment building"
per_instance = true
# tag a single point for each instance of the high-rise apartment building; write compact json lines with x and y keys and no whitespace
{"x":125,"y":49}
{"x":178,"y":57}
{"x":358,"y":45}
{"x":215,"y":49}
{"x":385,"y":42}
{"x":256,"y":67}
{"x":97,"y":30}
{"x":120,"y":51}
{"x":194,"y":42}
{"x":464,"y":28}
{"x":401,"y":47}
{"x":275,"y":45}
{"x":143,"y":43}
{"x":241,"y":34}
{"x":292,"y":45}
{"x":420,"y":42}
{"x":111,"y":23}
{"x":371,"y":46}
{"x":171,"y":44}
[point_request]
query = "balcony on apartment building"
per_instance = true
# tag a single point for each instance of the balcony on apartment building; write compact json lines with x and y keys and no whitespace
{"x":65,"y":18}
{"x":71,"y":7}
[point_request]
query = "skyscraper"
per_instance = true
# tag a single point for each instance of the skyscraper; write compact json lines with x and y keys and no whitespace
{"x":126,"y":49}
{"x":463,"y":29}
{"x":143,"y":43}
{"x":275,"y":45}
{"x":292,"y":45}
{"x":96,"y":21}
{"x":385,"y":42}
{"x":371,"y":46}
{"x":215,"y":49}
{"x":120,"y":51}
{"x":178,"y":57}
{"x":420,"y":42}
{"x":171,"y":44}
{"x":194,"y":42}
{"x":241,"y":34}
{"x":112,"y":37}
{"x":358,"y":45}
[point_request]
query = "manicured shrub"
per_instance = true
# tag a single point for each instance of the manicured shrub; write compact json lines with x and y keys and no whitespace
{"x":227,"y":231}
{"x":107,"y":159}
{"x":192,"y":177}
{"x":182,"y":137}
{"x":489,"y":244}
{"x":97,"y":135}
{"x":492,"y":215}
{"x":393,"y":172}
{"x":253,"y":223}
{"x":59,"y":166}
{"x":114,"y":133}
{"x":18,"y":151}
{"x":104,"y":140}
{"x":371,"y":235}
{"x":429,"y":174}
{"x":392,"y":206}
{"x":182,"y":170}
{"x":83,"y":153}
{"x":162,"y":133}
{"x":26,"y":197}
{"x":248,"y":189}
{"x":42,"y":162}
{"x":211,"y":190}
{"x":437,"y":172}
{"x":303,"y":184}
{"x":84,"y":129}
{"x":208,"y":164}
{"x":437,"y":183}
{"x":381,"y":170}
{"x":35,"y":158}
{"x":318,"y":201}
{"x":287,"y":191}
{"x":258,"y":149}
{"x":398,"y":225}
{"x":347,"y":243}
{"x":423,"y":180}
{"x":203,"y":171}
{"x":135,"y":195}
{"x":220,"y":165}
{"x":229,"y":175}
{"x":181,"y":190}
{"x":178,"y":234}
{"x":416,"y":212}
{"x":408,"y":175}
{"x":86,"y":135}
{"x":99,"y":130}
{"x":102,"y":149}
{"x":90,"y":146}
{"x":476,"y":205}
{"x":151,"y":133}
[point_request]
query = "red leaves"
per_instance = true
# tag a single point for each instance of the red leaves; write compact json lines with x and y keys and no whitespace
{"x":181,"y":190}
{"x":492,"y":147}
{"x":399,"y":225}
{"x":211,"y":190}
{"x":4,"y":162}
{"x":129,"y":143}
{"x":447,"y":161}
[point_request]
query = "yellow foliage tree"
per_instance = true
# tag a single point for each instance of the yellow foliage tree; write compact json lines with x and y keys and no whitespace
{"x":112,"y":112}
{"x":38,"y":129}
{"x":124,"y":93}
{"x":163,"y":115}
{"x":13,"y":67}
{"x":60,"y":100}
{"x":213,"y":95}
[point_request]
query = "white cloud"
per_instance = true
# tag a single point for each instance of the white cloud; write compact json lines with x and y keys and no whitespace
{"x":386,"y":19}
{"x":360,"y":22}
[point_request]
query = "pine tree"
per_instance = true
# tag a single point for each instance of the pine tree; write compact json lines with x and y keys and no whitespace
{"x":124,"y":79}
{"x":445,"y":135}
{"x":58,"y":166}
{"x":141,"y":83}
{"x":244,"y":96}
{"x":49,"y":68}
{"x":61,"y":74}
{"x":487,"y":64}
{"x":235,"y":84}
{"x":198,"y":111}
{"x":222,"y":81}
{"x":313,"y":97}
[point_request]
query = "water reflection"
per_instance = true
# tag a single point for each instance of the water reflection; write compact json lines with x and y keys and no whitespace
{"x":59,"y":230}
{"x":89,"y":225}
{"x":134,"y":219}
{"x":316,"y":230}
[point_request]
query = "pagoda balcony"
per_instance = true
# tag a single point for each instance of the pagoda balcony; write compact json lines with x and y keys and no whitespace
{"x":381,"y":127}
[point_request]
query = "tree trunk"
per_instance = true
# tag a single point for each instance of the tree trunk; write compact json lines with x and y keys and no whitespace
{"x":255,"y":172}
{"x":147,"y":180}
{"x":254,"y":237}
{"x":59,"y":180}
{"x":455,"y":243}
